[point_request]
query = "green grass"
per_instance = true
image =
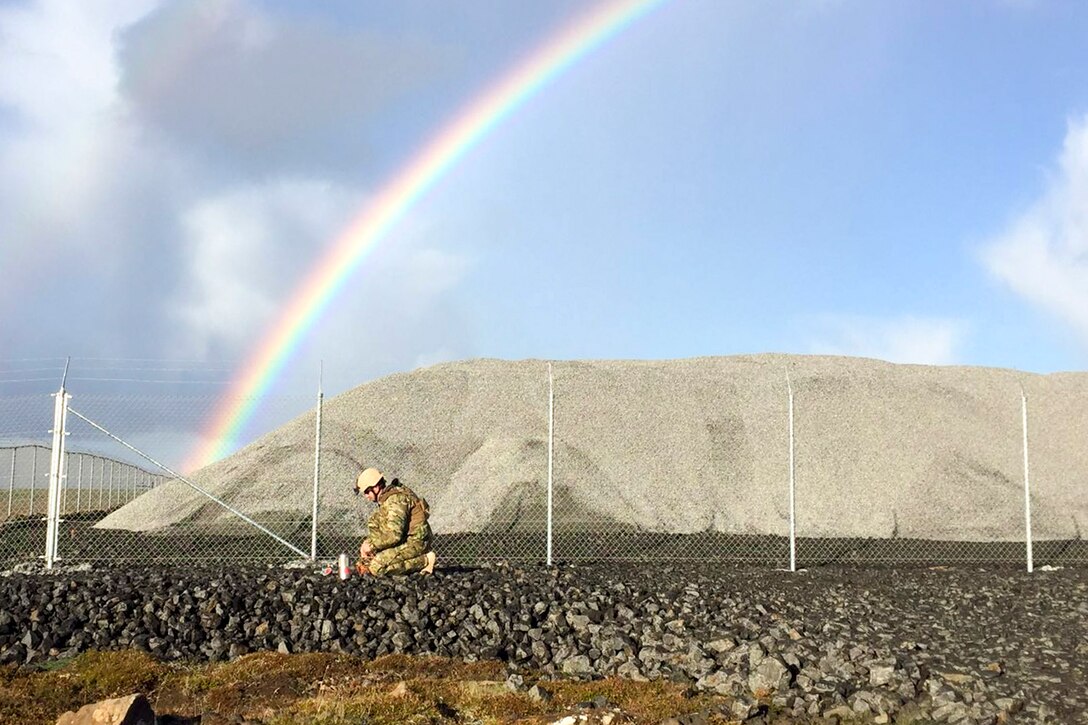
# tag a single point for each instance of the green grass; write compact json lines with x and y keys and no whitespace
{"x":326,"y":688}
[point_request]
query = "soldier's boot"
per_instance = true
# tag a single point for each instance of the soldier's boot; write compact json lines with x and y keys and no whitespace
{"x":431,"y":559}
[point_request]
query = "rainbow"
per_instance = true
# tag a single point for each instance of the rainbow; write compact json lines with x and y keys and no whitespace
{"x":403,"y":191}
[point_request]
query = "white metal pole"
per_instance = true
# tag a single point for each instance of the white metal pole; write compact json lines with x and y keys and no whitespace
{"x":64,"y":460}
{"x":64,"y":463}
{"x":1027,"y":481}
{"x":33,"y":476}
{"x":11,"y":481}
{"x":56,"y":477}
{"x":793,"y":528}
{"x":317,"y":462}
{"x":109,"y":498}
{"x":64,"y":484}
{"x":79,"y":483}
{"x":101,"y":478}
{"x":551,"y":434}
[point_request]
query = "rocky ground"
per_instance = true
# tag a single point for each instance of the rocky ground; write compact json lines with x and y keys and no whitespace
{"x":960,"y":645}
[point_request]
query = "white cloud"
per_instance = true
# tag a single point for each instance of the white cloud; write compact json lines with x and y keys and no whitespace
{"x":58,"y":81}
{"x":233,"y":249}
{"x":907,"y":339}
{"x":247,"y":250}
{"x":1043,"y":254}
{"x":262,"y":91}
{"x":109,"y":112}
{"x":58,"y":57}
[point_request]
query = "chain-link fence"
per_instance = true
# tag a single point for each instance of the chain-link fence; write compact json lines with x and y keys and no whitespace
{"x":572,"y":462}
{"x":95,"y":484}
{"x":25,"y":422}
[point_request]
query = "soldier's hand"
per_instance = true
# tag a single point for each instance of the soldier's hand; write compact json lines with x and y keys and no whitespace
{"x":366,"y":549}
{"x":361,"y":569}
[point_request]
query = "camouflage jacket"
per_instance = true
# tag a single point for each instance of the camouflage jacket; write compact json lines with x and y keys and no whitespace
{"x":401,"y":515}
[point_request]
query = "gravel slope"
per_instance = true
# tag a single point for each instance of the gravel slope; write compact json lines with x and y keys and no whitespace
{"x":957,"y":645}
{"x":682,"y":446}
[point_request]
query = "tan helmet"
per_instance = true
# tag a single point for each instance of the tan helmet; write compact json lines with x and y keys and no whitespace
{"x":369,"y":477}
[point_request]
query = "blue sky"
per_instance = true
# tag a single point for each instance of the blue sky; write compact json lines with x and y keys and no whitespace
{"x":907,"y":181}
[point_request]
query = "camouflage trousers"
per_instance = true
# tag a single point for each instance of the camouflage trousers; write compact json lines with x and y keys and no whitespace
{"x":411,"y":556}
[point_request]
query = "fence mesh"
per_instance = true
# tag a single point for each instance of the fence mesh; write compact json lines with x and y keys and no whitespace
{"x":163,"y":516}
{"x":25,"y":441}
{"x":607,"y":459}
{"x":895,"y":498}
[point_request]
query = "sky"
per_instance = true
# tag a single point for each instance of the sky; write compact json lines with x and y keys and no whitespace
{"x":904,"y":181}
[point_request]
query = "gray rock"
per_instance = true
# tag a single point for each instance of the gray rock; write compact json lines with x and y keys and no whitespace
{"x":577,"y":665}
{"x":880,"y":673}
{"x":537,"y":693}
{"x":130,"y":710}
{"x":719,"y":681}
{"x":630,"y":671}
{"x":741,"y":708}
{"x":720,"y":646}
{"x":770,"y":676}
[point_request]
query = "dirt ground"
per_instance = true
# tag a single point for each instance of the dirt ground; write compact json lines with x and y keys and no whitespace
{"x":274,"y":689}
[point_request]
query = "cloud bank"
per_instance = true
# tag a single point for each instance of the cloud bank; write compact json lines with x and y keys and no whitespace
{"x":1042,"y":255}
{"x":170,"y":171}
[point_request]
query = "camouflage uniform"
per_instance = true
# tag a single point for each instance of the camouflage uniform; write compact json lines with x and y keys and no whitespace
{"x":398,"y":532}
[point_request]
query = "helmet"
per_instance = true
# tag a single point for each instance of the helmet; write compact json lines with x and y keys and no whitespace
{"x":368,"y":478}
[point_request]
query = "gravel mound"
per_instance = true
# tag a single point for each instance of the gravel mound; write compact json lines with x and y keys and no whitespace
{"x":952,"y":645}
{"x":683,"y":446}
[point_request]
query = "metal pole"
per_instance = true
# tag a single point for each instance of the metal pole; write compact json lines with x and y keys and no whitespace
{"x":551,"y":434}
{"x":64,"y":484}
{"x":132,"y":487}
{"x":793,"y":526}
{"x":56,"y":477}
{"x":79,"y":483}
{"x":189,"y":483}
{"x":65,"y":461}
{"x":317,"y":461}
{"x":11,"y":481}
{"x":33,"y":476}
{"x":109,"y":499}
{"x":1027,"y":481}
{"x":101,"y":477}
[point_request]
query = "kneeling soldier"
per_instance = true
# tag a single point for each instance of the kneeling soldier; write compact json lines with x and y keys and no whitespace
{"x":398,"y":537}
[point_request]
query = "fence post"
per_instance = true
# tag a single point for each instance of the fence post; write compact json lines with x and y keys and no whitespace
{"x":793,"y":529}
{"x":317,"y":462}
{"x":551,"y":433}
{"x":1027,"y":481}
{"x":64,"y":484}
{"x":62,"y":503}
{"x":33,"y":476}
{"x":79,"y":483}
{"x":56,"y":476}
{"x":11,"y":481}
{"x":109,"y":498}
